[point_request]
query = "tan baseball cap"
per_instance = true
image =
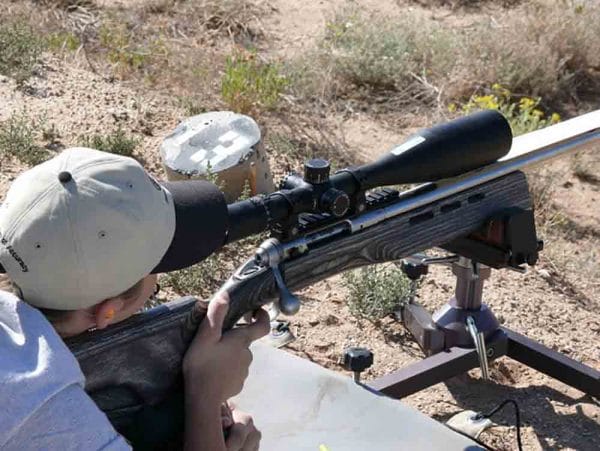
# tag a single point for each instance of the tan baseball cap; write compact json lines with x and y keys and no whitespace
{"x":87,"y":225}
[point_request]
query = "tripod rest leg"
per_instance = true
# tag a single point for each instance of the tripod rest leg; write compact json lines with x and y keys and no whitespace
{"x":552,"y":363}
{"x":435,"y":369}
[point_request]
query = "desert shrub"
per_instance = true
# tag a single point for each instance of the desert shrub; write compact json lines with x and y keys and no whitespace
{"x":122,"y":51}
{"x":18,"y":139}
{"x":249,"y":84}
{"x":375,"y":54}
{"x":127,"y":50}
{"x":63,"y":40}
{"x":117,"y":142}
{"x":547,"y":49}
{"x":522,"y":112}
{"x":20,"y":50}
{"x":238,"y":19}
{"x":376,"y":291}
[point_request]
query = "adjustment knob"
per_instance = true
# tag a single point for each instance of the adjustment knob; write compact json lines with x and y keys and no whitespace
{"x":316,"y":171}
{"x":357,"y":360}
{"x":335,"y":202}
{"x":414,"y":270}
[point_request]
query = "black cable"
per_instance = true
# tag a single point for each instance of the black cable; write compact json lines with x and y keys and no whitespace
{"x":492,"y":412}
{"x":517,"y":417}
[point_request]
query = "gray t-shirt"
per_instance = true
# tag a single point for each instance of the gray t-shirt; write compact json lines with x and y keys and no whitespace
{"x":43,"y":403}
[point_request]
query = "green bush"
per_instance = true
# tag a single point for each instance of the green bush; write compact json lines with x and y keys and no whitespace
{"x":117,"y":142}
{"x":18,"y":139}
{"x":63,"y":40}
{"x":383,"y":54}
{"x":376,"y":291}
{"x":20,"y":51}
{"x":130,"y":50}
{"x":122,"y":51}
{"x":249,"y":84}
{"x":523,"y":112}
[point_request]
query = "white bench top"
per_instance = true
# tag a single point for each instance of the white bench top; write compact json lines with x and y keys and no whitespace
{"x":299,"y":406}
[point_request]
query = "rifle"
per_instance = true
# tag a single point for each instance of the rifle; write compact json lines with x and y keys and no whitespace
{"x":469,"y":170}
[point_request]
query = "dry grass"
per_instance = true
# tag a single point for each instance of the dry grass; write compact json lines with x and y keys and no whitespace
{"x":20,"y":50}
{"x":542,"y":48}
{"x":238,"y":19}
{"x":455,"y":4}
{"x":20,"y":136}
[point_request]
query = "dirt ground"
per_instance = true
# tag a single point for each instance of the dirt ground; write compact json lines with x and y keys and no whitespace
{"x":556,"y":303}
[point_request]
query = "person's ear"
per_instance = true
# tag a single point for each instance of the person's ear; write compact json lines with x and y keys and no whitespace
{"x":107,"y":310}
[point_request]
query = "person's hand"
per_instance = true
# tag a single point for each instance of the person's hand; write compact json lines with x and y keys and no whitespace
{"x":216,"y":364}
{"x":243,"y":435}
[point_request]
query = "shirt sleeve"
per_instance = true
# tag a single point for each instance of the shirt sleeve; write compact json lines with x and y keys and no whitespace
{"x":68,"y":421}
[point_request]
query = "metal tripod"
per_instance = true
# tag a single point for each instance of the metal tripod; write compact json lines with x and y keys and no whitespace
{"x":465,"y":334}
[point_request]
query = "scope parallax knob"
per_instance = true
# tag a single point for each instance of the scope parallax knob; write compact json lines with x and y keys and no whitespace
{"x":335,"y":202}
{"x":316,"y":171}
{"x":357,"y":360}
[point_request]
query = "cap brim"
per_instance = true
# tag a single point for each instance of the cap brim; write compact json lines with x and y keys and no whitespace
{"x":201,"y":223}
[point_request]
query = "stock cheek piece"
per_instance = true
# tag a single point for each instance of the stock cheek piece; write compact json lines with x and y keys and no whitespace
{"x":201,"y":224}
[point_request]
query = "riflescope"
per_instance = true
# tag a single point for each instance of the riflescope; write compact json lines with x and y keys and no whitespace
{"x":436,"y":153}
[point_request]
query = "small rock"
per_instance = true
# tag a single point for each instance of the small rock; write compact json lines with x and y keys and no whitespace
{"x":544,"y":273}
{"x":331,"y":320}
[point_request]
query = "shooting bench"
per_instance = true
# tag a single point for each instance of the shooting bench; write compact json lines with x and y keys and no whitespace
{"x":299,"y":405}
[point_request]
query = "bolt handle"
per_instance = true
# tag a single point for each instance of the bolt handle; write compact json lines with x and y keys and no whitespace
{"x":357,"y":359}
{"x":288,"y":303}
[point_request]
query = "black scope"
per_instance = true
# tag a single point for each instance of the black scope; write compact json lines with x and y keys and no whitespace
{"x":443,"y":151}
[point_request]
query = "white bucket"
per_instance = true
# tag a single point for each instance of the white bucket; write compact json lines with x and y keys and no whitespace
{"x":223,"y":143}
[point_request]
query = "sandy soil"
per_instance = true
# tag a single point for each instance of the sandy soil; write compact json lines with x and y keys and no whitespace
{"x":555,"y":303}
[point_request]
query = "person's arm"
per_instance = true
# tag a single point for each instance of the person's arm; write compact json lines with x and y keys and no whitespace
{"x":214,"y":369}
{"x":68,"y":421}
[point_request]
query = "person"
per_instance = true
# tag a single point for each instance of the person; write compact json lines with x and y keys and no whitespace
{"x":82,"y":237}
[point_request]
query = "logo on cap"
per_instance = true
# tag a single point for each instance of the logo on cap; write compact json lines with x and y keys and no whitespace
{"x":14,"y":254}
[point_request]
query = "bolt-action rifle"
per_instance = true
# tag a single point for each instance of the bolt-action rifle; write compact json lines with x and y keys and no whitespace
{"x":471,"y":199}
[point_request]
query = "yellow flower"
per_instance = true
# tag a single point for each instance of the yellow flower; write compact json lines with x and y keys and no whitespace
{"x":526,"y":103}
{"x":452,"y":107}
{"x":555,"y":118}
{"x":537,"y":113}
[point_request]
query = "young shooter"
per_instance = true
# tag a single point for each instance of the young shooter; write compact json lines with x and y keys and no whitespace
{"x":82,"y":237}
